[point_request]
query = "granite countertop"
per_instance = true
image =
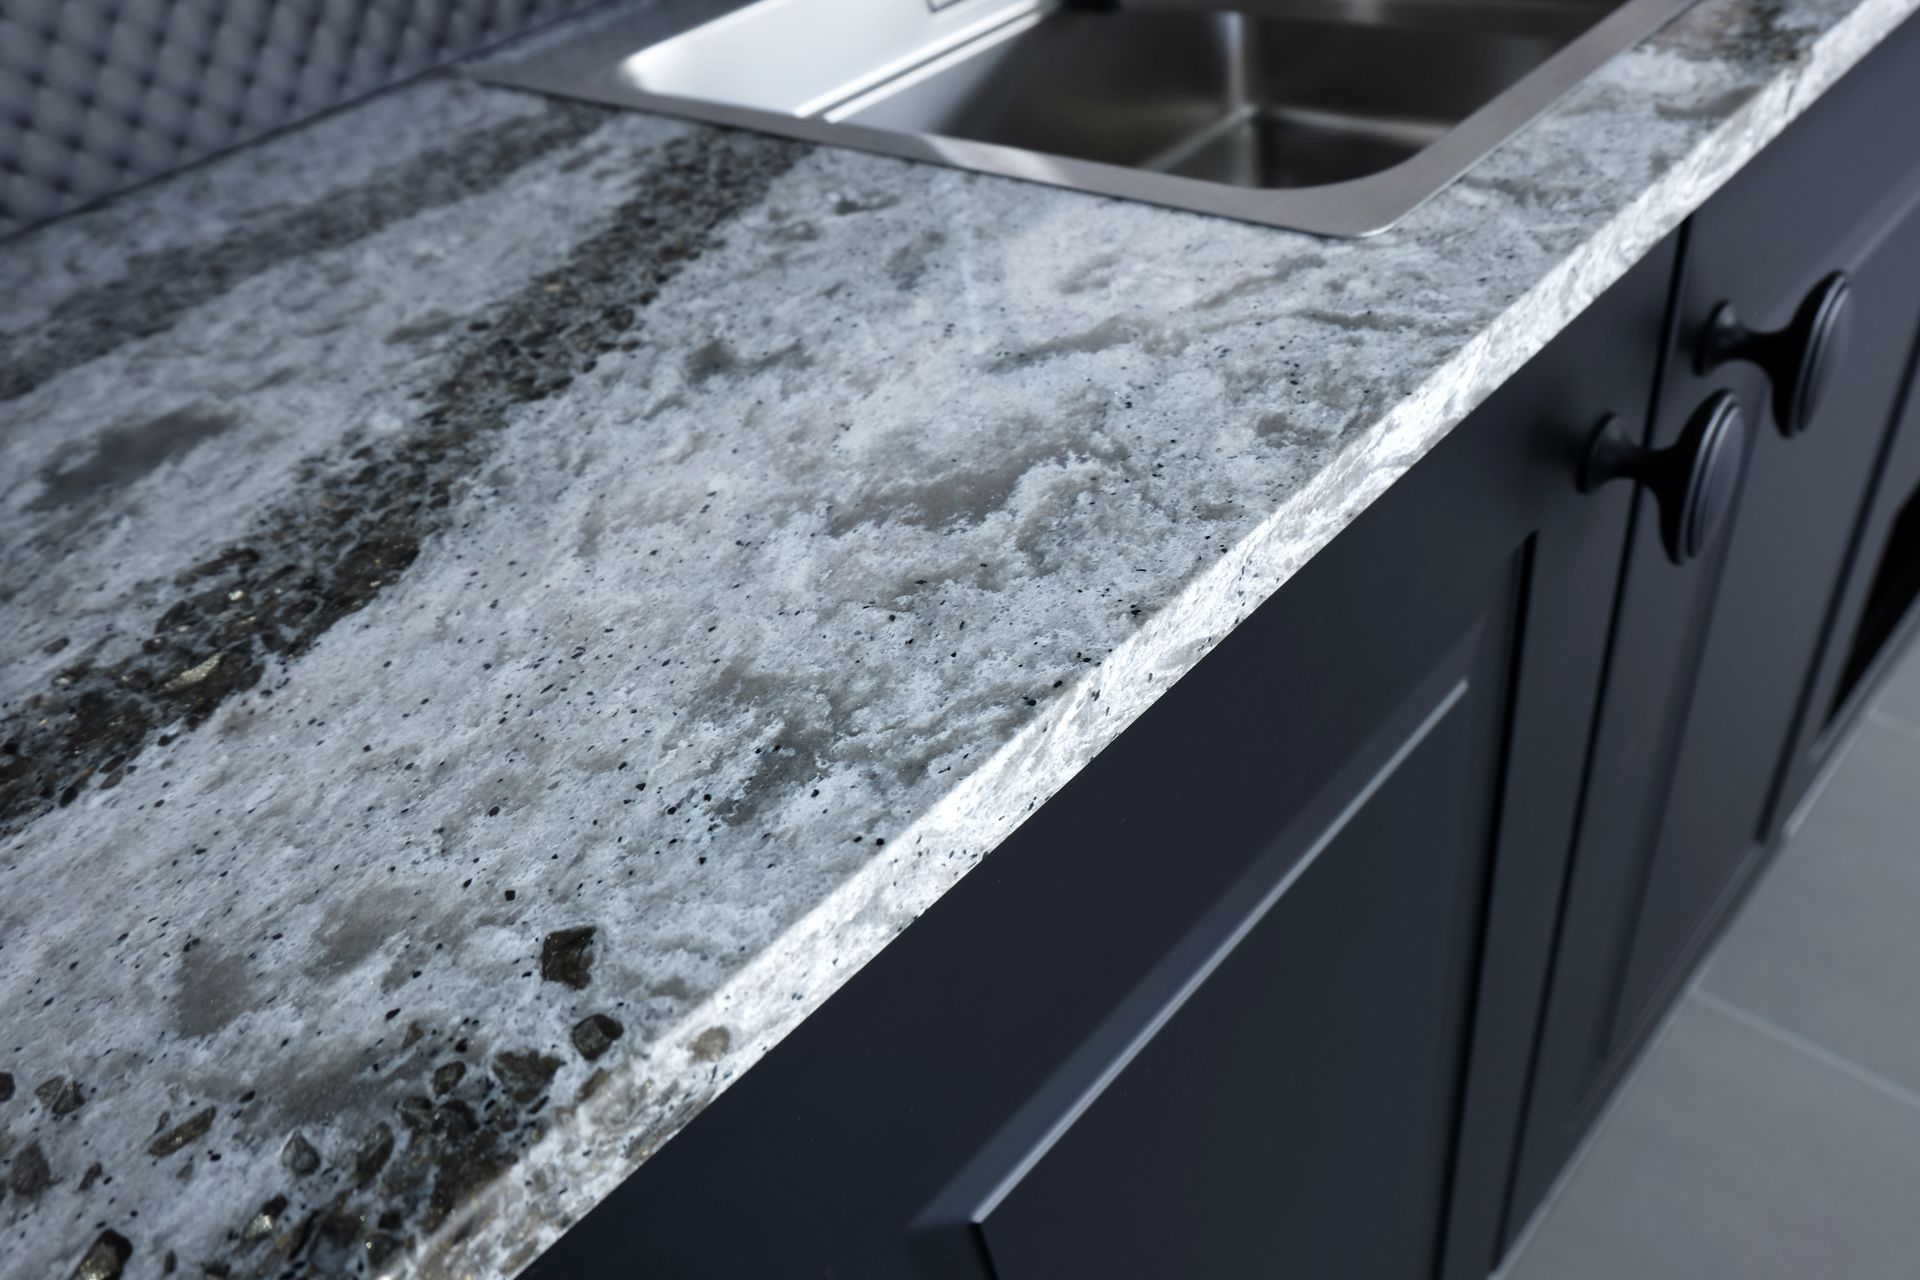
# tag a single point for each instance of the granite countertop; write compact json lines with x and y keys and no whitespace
{"x":505,"y":604}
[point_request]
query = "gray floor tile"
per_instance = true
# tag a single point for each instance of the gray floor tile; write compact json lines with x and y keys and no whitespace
{"x":1829,"y":945}
{"x":1732,"y":1155}
{"x":1900,"y":695}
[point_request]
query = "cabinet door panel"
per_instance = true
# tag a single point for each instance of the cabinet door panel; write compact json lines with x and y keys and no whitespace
{"x":1289,"y":1075}
{"x":1875,"y":618}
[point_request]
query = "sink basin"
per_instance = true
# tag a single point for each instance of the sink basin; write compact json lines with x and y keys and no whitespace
{"x":1330,"y":116}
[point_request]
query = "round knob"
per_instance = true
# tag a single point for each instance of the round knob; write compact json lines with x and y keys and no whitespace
{"x":1798,"y":360}
{"x":1693,"y":479}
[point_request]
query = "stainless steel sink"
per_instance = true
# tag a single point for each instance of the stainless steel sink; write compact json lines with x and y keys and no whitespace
{"x":1331,"y":116}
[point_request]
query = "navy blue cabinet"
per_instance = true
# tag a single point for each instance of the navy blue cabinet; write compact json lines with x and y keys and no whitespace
{"x":1716,"y":661}
{"x":1325,"y":965}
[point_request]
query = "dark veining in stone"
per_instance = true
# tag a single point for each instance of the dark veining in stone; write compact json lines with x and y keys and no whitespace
{"x":1754,"y":28}
{"x":907,"y":264}
{"x":163,"y":285}
{"x":716,"y":359}
{"x":215,"y":988}
{"x":122,"y":454}
{"x":1114,"y":331}
{"x":1714,"y":109}
{"x":349,"y":531}
{"x":1266,"y":282}
{"x":1369,"y":319}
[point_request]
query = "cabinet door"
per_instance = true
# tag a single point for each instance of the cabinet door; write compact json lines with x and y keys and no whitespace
{"x":1712,"y":660}
{"x":1875,"y":617}
{"x":1254,"y":993}
{"x":1280,"y":1091}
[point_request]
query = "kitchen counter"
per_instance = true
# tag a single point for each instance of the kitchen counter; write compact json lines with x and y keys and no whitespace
{"x":507,"y":604}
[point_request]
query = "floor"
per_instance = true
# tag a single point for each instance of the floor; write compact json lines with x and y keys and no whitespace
{"x":1772,"y":1130}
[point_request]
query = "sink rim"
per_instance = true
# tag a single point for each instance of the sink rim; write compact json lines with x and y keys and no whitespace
{"x":1355,"y":208}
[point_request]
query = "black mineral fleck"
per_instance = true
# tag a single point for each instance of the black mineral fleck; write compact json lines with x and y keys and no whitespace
{"x":371,"y":1155}
{"x":594,"y":1034}
{"x":448,"y":1076}
{"x":192,"y":1130}
{"x":566,"y":956}
{"x":381,"y":1247}
{"x":60,"y":1095}
{"x":104,"y":1258}
{"x":30,"y":1174}
{"x":524,"y":1075}
{"x":264,"y":1222}
{"x":6,"y":1085}
{"x":335,"y":1236}
{"x":299,"y":1156}
{"x":415,"y":1112}
{"x":454,"y":1121}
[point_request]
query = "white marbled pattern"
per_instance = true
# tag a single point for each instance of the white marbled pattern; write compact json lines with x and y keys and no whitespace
{"x":913,"y":489}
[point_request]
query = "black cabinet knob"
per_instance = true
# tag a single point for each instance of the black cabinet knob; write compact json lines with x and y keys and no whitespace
{"x":1693,"y":479}
{"x":1799,"y":360}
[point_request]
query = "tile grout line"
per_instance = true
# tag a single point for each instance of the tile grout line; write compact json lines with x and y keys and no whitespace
{"x":1694,"y":989}
{"x":1892,"y":720}
{"x":1812,"y":1049}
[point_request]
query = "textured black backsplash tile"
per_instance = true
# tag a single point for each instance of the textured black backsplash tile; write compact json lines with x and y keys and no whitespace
{"x":96,"y":95}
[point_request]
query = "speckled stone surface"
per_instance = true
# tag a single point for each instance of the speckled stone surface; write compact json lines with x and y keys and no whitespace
{"x":504,"y":605}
